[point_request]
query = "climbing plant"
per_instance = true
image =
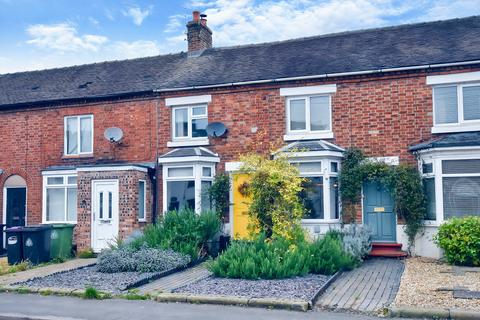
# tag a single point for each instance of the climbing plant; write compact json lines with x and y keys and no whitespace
{"x":403,"y":181}
{"x":275,"y":208}
{"x":219,"y":192}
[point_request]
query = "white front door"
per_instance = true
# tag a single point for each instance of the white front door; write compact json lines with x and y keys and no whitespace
{"x":104,"y":213}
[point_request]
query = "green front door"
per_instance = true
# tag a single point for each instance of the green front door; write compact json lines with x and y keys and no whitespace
{"x":378,"y":212}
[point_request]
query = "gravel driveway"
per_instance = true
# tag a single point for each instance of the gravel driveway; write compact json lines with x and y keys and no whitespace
{"x":298,"y":288}
{"x":428,"y":283}
{"x":89,"y":277}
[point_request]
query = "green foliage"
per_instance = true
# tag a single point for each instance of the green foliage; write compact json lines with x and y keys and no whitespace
{"x":182,"y":231}
{"x":275,"y":208}
{"x":357,"y":241}
{"x":279,"y":258}
{"x":91,"y":293}
{"x":126,"y":259}
{"x":86,"y":254}
{"x":261,"y":259}
{"x":219,"y":192}
{"x":22,"y":266}
{"x":328,"y":256}
{"x":460,"y":240}
{"x":404,"y":182}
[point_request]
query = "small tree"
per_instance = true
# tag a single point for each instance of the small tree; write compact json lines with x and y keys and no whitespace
{"x":275,"y":208}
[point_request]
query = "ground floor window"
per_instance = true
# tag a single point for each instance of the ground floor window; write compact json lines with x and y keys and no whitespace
{"x":186,"y":186}
{"x":60,"y":198}
{"x":452,"y":187}
{"x":320,"y":195}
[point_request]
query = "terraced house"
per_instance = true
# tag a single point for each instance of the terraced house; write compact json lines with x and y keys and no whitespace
{"x":110,"y":145}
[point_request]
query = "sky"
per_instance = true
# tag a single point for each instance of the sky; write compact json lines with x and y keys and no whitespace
{"x":45,"y":34}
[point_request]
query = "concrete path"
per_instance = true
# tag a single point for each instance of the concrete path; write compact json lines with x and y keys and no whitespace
{"x":23,"y":306}
{"x":366,"y":289}
{"x":44,"y":271}
{"x":176,"y":280}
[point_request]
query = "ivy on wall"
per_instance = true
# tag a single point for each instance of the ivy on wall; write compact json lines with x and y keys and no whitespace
{"x":403,"y":181}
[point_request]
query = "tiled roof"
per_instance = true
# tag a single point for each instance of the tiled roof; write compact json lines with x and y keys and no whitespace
{"x":456,"y":40}
{"x":311,"y":145}
{"x":465,"y":139}
{"x":188,"y":152}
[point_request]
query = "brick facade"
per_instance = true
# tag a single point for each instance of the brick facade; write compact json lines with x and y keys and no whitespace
{"x":381,"y":114}
{"x":127,"y":201}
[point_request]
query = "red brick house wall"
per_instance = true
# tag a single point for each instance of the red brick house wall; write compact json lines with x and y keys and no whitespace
{"x":33,"y":139}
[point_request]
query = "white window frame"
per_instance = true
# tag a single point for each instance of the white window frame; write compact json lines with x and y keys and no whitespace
{"x":197,"y":177}
{"x":326,"y":173}
{"x":65,"y":185}
{"x":65,"y":135}
{"x":188,"y":140}
{"x":144,"y":219}
{"x":461,"y":124}
{"x":436,"y":156}
{"x":307,"y":114}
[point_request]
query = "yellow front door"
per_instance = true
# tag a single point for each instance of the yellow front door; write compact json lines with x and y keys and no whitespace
{"x":240,"y":206}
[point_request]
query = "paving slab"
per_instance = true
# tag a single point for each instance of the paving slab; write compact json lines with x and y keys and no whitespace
{"x":367,"y":289}
{"x":11,"y":278}
{"x":176,"y":280}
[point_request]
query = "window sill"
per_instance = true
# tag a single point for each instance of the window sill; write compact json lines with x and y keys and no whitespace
{"x":308,"y":136}
{"x":142,"y":220}
{"x":77,"y":156}
{"x":188,"y":143}
{"x":456,"y":128}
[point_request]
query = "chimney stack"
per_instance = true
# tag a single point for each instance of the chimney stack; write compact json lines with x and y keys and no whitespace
{"x":199,"y":36}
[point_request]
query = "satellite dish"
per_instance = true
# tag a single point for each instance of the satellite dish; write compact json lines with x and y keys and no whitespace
{"x":216,"y":129}
{"x":113,"y":134}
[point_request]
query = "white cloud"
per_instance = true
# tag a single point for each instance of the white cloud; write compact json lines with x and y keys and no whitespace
{"x":249,"y":21}
{"x":137,"y":14}
{"x":175,"y":22}
{"x":63,"y":37}
{"x":140,"y":48}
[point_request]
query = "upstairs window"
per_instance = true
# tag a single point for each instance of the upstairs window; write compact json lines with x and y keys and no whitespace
{"x":309,"y":114}
{"x":78,"y":135}
{"x":190,"y":122}
{"x":456,"y":105}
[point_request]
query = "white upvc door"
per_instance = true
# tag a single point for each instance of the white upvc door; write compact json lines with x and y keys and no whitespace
{"x":105,"y":218}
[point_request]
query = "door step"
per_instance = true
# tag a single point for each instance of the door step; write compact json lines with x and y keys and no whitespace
{"x":390,"y":250}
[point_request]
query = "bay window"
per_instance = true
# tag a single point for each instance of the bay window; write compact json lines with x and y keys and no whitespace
{"x":320,"y":195}
{"x":60,"y":199}
{"x":451,"y":184}
{"x":187,"y":185}
{"x":78,"y":133}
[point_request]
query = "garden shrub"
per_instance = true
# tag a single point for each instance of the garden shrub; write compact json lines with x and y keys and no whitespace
{"x":279,"y":258}
{"x":127,"y":259}
{"x":357,"y":241}
{"x":460,"y":240}
{"x":182,"y":231}
{"x":328,"y":256}
{"x":261,"y":259}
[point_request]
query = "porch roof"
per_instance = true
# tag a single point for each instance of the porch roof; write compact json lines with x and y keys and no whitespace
{"x":189,"y":154}
{"x":464,"y":139}
{"x":311,"y":145}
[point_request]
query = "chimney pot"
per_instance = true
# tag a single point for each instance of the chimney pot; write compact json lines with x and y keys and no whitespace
{"x":199,"y":36}
{"x":196,"y":16}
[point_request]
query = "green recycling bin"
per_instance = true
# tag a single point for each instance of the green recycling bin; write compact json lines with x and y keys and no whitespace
{"x":61,"y":240}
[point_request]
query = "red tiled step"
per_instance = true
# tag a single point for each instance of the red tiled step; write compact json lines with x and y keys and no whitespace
{"x":386,"y":245}
{"x":387,"y":253}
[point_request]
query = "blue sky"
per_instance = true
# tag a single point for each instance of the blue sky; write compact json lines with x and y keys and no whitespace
{"x":46,"y":33}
